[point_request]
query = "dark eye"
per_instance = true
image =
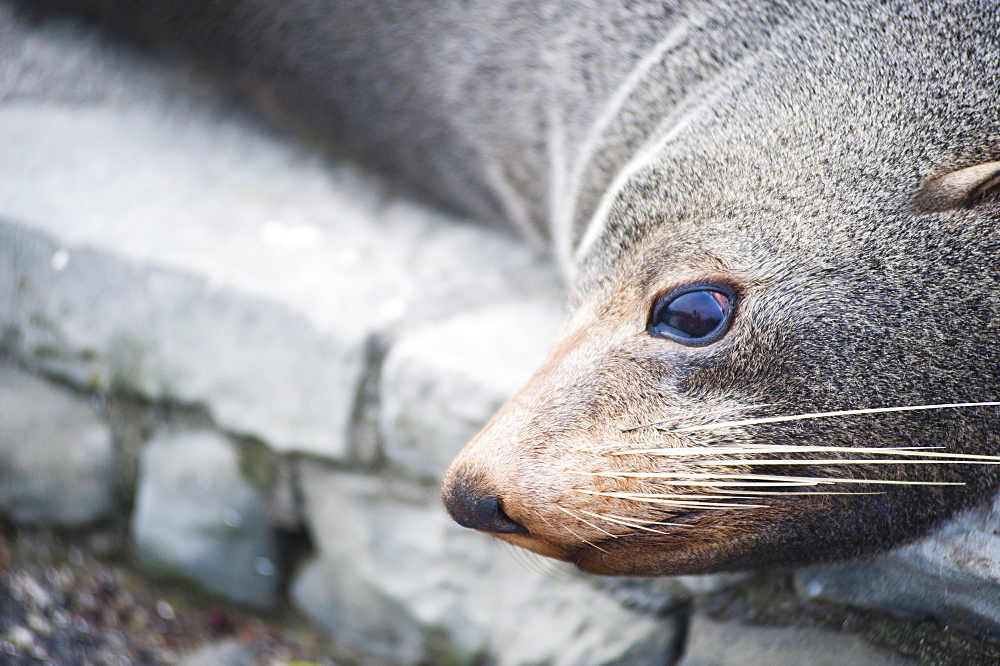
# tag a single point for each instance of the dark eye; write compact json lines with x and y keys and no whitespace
{"x":692,"y":316}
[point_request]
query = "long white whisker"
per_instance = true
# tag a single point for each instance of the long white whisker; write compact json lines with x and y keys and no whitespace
{"x":823,"y":415}
{"x":714,"y":412}
{"x":521,"y":557}
{"x":755,"y":449}
{"x":583,"y":540}
{"x":689,"y":502}
{"x":626,"y":523}
{"x":731,"y":494}
{"x":671,"y":496}
{"x":836,"y":461}
{"x":678,"y":479}
{"x":586,"y":522}
{"x":693,"y":504}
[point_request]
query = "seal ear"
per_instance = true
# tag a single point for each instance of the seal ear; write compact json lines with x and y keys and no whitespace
{"x":964,"y":188}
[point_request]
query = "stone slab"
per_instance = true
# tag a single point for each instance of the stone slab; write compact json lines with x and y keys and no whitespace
{"x":953,"y":575}
{"x":56,"y":454}
{"x":197,"y":518}
{"x":713,"y":643}
{"x":442,"y":382}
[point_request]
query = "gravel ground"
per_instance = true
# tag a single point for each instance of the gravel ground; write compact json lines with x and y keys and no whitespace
{"x":68,"y":599}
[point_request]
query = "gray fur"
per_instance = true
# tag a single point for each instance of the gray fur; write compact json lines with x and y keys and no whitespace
{"x":789,"y":141}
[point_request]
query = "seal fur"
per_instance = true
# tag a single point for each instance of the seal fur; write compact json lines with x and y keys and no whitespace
{"x":833,"y":165}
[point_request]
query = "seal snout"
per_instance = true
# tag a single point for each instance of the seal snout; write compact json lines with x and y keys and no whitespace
{"x":472,"y":504}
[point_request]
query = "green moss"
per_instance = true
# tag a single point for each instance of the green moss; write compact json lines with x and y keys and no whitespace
{"x":257,"y":464}
{"x":128,"y":357}
{"x":46,"y":352}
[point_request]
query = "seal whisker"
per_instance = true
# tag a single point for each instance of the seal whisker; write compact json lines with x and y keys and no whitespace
{"x":586,"y":522}
{"x":712,"y":412}
{"x":694,"y":504}
{"x":835,"y":461}
{"x":687,"y":502}
{"x":580,"y":538}
{"x":642,"y":497}
{"x":795,"y":448}
{"x":913,"y":451}
{"x":673,"y":496}
{"x":704,"y":479}
{"x":522,"y":557}
{"x":730,"y":494}
{"x":681,"y":479}
{"x":610,"y":109}
{"x":842,"y":412}
{"x":633,"y":524}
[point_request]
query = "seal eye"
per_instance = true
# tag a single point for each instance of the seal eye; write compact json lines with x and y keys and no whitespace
{"x":692,"y":316}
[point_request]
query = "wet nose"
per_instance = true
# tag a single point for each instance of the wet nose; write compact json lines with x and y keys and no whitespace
{"x":472,"y":505}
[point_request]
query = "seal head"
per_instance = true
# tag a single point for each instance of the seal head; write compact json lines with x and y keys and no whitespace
{"x":634,"y":452}
{"x":849,"y":228}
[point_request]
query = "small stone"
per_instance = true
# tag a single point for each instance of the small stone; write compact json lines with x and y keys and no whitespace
{"x":60,"y":618}
{"x":164,"y":610}
{"x":39,"y":624}
{"x":264,"y":566}
{"x":21,"y":637}
{"x":38,"y":595}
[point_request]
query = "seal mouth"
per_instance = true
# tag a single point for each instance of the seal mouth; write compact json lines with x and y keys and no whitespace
{"x":544,"y":548}
{"x":608,"y":557}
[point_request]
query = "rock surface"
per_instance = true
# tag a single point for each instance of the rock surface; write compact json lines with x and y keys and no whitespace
{"x":56,"y":455}
{"x":712,"y":643}
{"x":952,"y":575}
{"x":196,"y":517}
{"x":442,"y":382}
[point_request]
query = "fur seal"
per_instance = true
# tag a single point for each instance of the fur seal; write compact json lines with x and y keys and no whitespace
{"x":779,"y":223}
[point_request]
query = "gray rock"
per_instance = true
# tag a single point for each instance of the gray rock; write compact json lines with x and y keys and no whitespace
{"x":395,"y":577}
{"x":102,"y":322}
{"x":56,"y":454}
{"x":197,"y":518}
{"x":952,"y":575}
{"x":712,"y":643}
{"x":442,"y":382}
{"x":665,"y":594}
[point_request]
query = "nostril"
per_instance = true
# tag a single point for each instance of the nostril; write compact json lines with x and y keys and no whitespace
{"x":472,"y":506}
{"x":488,"y":512}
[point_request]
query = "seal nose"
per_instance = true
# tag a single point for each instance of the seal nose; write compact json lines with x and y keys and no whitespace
{"x":472,"y":506}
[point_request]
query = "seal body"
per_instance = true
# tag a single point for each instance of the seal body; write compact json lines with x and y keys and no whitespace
{"x":825,"y":173}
